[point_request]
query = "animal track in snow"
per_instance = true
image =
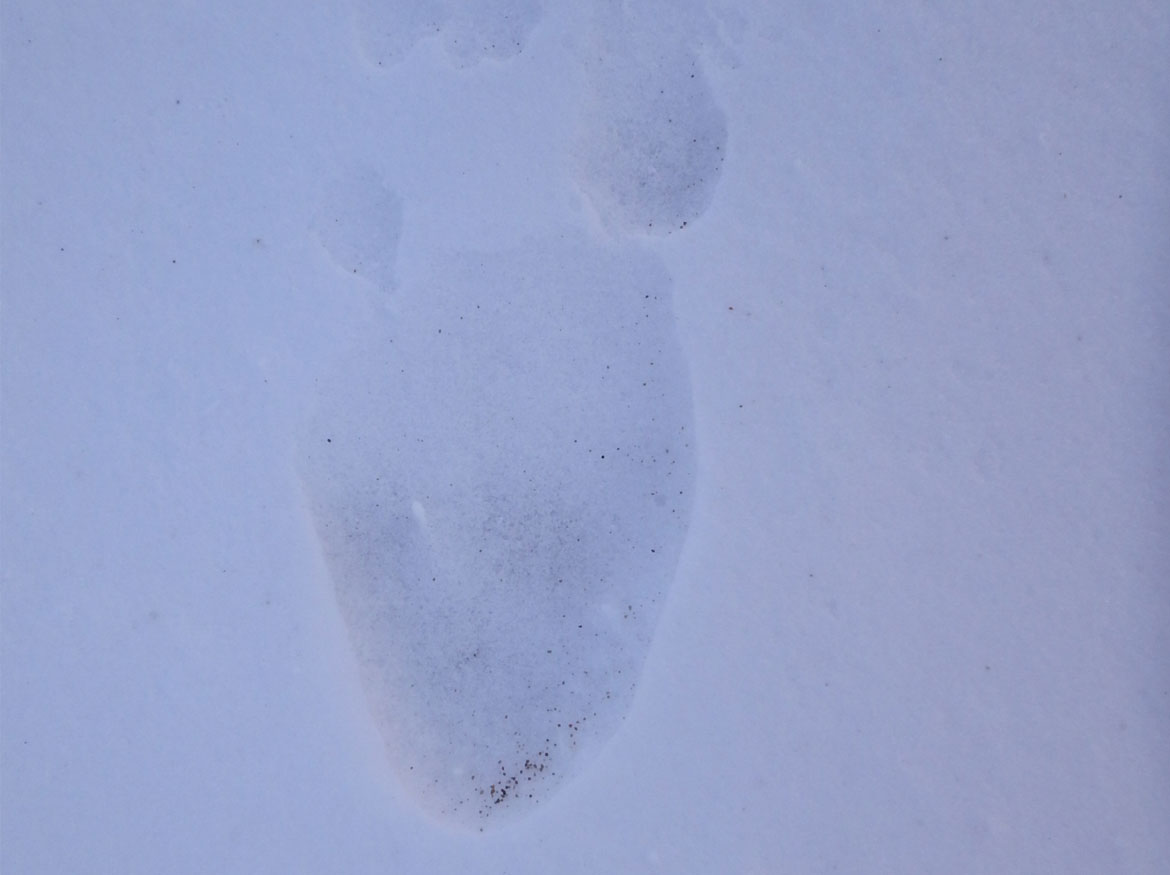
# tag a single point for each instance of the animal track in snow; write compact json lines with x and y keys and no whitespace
{"x":470,"y":29}
{"x":651,"y":138}
{"x":500,"y":473}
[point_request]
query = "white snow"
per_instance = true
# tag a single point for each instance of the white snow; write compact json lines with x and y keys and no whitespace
{"x":910,"y":613}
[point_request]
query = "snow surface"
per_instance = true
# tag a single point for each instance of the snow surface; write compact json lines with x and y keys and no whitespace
{"x":903,"y":269}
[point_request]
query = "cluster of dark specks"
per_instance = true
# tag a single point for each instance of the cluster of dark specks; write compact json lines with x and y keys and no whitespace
{"x":516,"y":781}
{"x":512,"y":782}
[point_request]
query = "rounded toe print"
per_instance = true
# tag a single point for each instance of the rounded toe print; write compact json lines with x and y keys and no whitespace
{"x":651,"y":137}
{"x":358,"y":222}
{"x":500,"y":476}
{"x":494,"y":29}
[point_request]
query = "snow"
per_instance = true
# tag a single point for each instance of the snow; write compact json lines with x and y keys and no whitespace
{"x":500,"y":472}
{"x":912,"y":614}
